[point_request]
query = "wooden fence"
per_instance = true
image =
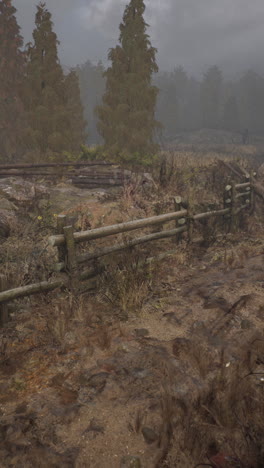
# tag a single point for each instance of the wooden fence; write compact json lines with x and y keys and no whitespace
{"x":87,"y":175}
{"x":237,"y":197}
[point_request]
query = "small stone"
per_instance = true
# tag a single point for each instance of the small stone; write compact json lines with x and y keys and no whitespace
{"x":171,"y":317}
{"x":97,"y":381}
{"x":149,"y":435}
{"x":140,"y":373}
{"x":123,"y":348}
{"x":141,"y":332}
{"x":245,"y":324}
{"x":130,"y":462}
{"x":180,"y":345}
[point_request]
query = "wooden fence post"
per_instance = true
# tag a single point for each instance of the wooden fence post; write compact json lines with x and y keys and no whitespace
{"x":3,"y":307}
{"x":62,"y":251}
{"x":71,"y":257}
{"x":190,"y":224}
{"x":252,"y":193}
{"x":227,"y":204}
{"x":233,"y":208}
{"x":181,"y":221}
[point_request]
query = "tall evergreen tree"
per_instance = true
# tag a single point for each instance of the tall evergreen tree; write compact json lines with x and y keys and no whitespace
{"x":48,"y":106}
{"x":77,"y":124}
{"x":212,"y":97}
{"x":12,"y":66}
{"x":167,"y":109}
{"x":231,"y":114}
{"x":251,"y":97}
{"x":92,"y":87}
{"x":181,"y":82}
{"x":127,"y":115}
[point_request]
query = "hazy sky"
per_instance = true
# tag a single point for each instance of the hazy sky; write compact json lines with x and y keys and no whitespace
{"x":192,"y":33}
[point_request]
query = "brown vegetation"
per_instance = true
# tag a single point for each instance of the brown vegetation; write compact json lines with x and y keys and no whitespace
{"x":179,"y":383}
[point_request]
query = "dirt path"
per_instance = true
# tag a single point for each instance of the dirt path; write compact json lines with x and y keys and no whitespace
{"x":95,"y":393}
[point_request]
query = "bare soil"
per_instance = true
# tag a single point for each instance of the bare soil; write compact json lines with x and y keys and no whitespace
{"x":83,"y":402}
{"x":178,"y":384}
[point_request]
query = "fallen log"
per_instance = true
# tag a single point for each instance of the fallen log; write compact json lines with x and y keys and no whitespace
{"x":96,"y":186}
{"x":98,"y":181}
{"x":236,"y":171}
{"x":27,"y":174}
{"x":68,"y":164}
{"x":23,"y":291}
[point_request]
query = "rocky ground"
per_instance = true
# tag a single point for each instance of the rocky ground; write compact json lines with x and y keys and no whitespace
{"x":165,"y":371}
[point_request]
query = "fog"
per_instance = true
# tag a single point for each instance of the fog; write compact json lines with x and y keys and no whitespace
{"x":194,"y":34}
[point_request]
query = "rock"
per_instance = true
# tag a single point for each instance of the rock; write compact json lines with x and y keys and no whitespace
{"x":141,"y":332}
{"x":97,"y":381}
{"x":70,"y":338}
{"x":216,"y":302}
{"x":65,"y":198}
{"x":171,"y":317}
{"x":143,"y":181}
{"x":179,"y":346}
{"x":245,"y":324}
{"x":22,"y":191}
{"x":149,"y":435}
{"x":7,"y":205}
{"x":130,"y":462}
{"x":140,"y":373}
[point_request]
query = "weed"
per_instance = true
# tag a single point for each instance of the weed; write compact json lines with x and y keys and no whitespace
{"x":126,"y":282}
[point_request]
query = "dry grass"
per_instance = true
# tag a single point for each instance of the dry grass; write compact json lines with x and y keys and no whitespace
{"x":223,"y":414}
{"x":126,"y":282}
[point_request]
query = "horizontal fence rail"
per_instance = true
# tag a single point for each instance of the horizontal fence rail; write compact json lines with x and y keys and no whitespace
{"x":3,"y":167}
{"x":66,"y":240}
{"x":117,"y":228}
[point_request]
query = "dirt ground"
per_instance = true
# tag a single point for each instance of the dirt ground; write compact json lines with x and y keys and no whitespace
{"x":179,"y":383}
{"x":99,"y":394}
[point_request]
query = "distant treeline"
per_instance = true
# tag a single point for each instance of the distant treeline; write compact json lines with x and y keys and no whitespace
{"x":128,"y":109}
{"x":184,"y":103}
{"x":41,"y":114}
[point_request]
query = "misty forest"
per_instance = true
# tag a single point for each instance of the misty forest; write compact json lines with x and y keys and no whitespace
{"x":131,"y":252}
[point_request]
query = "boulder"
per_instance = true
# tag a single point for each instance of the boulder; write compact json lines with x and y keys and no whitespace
{"x":22,"y":192}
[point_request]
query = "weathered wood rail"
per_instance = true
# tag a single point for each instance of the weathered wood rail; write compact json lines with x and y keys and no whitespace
{"x":4,"y":167}
{"x":237,"y":197}
{"x":86,"y":175}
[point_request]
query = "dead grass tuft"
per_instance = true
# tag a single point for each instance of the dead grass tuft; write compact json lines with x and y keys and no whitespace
{"x":225,"y":417}
{"x":126,"y":283}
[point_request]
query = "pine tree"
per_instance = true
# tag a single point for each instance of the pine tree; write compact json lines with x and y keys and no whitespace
{"x":47,"y":103}
{"x":12,"y":63}
{"x":167,"y":109}
{"x":181,"y":82}
{"x":92,"y":87}
{"x":231,"y":114}
{"x":76,"y":132}
{"x":211,"y":97}
{"x":251,"y":98}
{"x":127,"y":115}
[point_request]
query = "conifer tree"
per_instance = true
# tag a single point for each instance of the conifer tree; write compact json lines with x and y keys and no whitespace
{"x":92,"y":87}
{"x":212,"y":97}
{"x":47,"y":103}
{"x":127,"y":115}
{"x":76,"y":132}
{"x":231,"y":114}
{"x":12,"y":63}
